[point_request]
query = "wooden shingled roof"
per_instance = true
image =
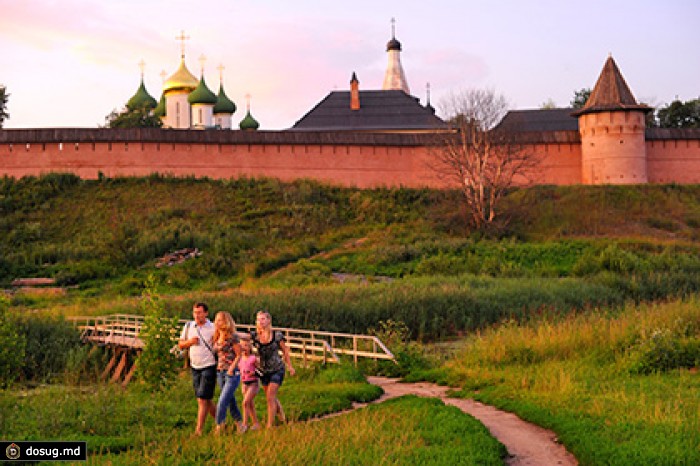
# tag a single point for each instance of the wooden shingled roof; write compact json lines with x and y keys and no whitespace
{"x":384,"y":110}
{"x":611,"y":92}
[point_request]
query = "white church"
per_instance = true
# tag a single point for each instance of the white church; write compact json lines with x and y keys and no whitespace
{"x":188,"y":103}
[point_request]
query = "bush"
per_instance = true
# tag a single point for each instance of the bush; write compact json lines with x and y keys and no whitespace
{"x":156,"y":366}
{"x":664,"y":351}
{"x":49,"y":341}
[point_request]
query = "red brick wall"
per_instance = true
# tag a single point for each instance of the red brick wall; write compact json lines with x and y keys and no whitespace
{"x":673,"y":160}
{"x":345,"y":159}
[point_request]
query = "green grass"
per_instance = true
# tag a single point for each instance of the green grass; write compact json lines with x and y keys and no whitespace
{"x":580,"y":377}
{"x":110,"y":418}
{"x":546,"y":297}
{"x":409,"y":430}
{"x":134,"y":426}
{"x":100,"y":234}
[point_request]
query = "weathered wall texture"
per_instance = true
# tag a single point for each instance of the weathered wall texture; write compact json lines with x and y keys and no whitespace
{"x":673,"y":156}
{"x":350,"y":159}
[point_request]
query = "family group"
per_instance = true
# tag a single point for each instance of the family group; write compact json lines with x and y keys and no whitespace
{"x":218,"y":353}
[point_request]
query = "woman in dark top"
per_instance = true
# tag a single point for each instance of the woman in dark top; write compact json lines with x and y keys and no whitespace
{"x":268,"y":344}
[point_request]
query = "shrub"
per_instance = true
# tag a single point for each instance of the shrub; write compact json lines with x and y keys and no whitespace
{"x":156,"y":366}
{"x":664,"y":351}
{"x":48,"y":341}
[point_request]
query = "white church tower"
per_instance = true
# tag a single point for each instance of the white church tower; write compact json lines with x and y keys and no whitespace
{"x":176,"y":89}
{"x":394,"y":78}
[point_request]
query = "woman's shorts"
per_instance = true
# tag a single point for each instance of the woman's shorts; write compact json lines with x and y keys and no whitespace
{"x":272,"y":377}
{"x":204,"y":381}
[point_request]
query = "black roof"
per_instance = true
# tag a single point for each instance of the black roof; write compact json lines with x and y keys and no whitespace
{"x":556,"y":119}
{"x":379,"y":111}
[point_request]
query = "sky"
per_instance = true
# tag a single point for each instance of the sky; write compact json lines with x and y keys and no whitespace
{"x":69,"y":63}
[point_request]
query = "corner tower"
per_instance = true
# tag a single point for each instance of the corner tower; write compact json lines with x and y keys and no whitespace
{"x":394,"y":78}
{"x":612,"y":124}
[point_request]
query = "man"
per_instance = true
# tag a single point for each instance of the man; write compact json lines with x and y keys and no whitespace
{"x":198,"y":336}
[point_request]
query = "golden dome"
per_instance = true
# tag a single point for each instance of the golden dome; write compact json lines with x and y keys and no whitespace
{"x":182,"y":79}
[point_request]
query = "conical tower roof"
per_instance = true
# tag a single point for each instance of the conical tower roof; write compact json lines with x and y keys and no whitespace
{"x":182,"y":79}
{"x":611,"y":92}
{"x":142,"y":99}
{"x":223,"y":103}
{"x":202,"y":94}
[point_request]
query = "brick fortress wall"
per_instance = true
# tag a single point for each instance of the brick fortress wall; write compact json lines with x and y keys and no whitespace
{"x":351,"y":159}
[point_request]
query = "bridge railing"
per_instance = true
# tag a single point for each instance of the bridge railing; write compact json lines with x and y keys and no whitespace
{"x":309,"y":345}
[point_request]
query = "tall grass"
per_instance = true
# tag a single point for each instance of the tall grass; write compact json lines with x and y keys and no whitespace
{"x":580,"y":376}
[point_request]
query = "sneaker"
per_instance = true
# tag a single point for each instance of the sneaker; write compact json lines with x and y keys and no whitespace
{"x":242,"y":428}
{"x":255,"y":427}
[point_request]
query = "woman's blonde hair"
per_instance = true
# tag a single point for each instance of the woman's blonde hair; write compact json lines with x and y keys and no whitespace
{"x":226,"y":328}
{"x":257,"y":326}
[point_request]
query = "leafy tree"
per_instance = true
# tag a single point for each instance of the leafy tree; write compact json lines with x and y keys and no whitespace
{"x":549,"y":104}
{"x":581,"y":97}
{"x":485,"y":161}
{"x":141,"y":117}
{"x":679,"y":114}
{"x":3,"y":105}
{"x":12,"y":346}
{"x":156,"y":366}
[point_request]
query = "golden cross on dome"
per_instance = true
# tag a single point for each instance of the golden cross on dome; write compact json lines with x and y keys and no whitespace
{"x":142,"y":65}
{"x":202,"y":61}
{"x":163,"y":74}
{"x":182,"y":38}
{"x":221,"y":69}
{"x":247,"y":101}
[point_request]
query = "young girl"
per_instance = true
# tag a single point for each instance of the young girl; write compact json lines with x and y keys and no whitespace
{"x":226,"y":344}
{"x":269,"y":343}
{"x":247,"y":365}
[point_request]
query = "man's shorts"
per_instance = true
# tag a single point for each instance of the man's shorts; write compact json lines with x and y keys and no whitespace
{"x":204,"y":381}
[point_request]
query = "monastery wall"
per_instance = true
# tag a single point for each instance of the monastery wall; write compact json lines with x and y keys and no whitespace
{"x":363,"y":160}
{"x":673,"y":155}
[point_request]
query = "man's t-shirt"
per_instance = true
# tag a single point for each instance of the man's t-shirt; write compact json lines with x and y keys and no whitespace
{"x":200,"y":355}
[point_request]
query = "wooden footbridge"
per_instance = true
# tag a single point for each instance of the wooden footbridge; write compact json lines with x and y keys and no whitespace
{"x":120,"y":334}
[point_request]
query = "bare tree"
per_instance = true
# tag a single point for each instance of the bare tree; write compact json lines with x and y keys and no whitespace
{"x":483,"y":159}
{"x":3,"y":104}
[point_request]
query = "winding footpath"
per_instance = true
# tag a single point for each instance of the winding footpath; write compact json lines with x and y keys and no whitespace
{"x":527,"y":444}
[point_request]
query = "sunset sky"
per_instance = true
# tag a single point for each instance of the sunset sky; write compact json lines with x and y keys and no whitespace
{"x":69,"y":63}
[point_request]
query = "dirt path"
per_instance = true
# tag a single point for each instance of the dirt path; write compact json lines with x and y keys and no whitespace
{"x":527,"y":444}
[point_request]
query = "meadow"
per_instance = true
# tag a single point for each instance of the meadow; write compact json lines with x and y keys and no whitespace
{"x":579,"y":314}
{"x":617,"y":387}
{"x":138,"y":426}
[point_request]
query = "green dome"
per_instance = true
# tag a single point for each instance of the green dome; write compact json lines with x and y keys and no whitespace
{"x":249,"y":123}
{"x":202,"y":94}
{"x":142,"y":99}
{"x":159,"y":111}
{"x":223,"y":103}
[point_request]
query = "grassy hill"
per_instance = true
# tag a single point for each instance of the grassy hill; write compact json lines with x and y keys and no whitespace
{"x":307,"y":250}
{"x":578,"y":328}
